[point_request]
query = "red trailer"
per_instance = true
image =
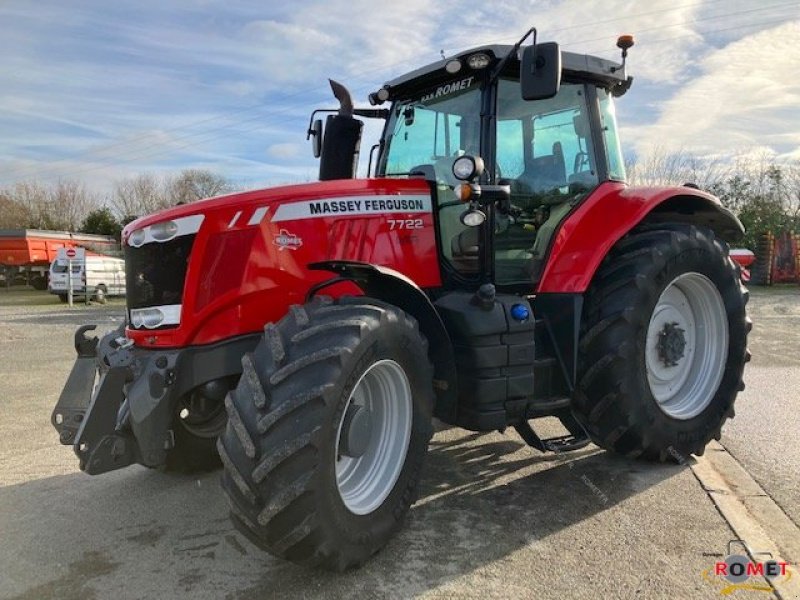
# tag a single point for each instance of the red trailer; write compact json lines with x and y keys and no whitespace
{"x":26,"y":254}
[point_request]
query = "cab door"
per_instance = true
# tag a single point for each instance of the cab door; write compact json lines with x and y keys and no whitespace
{"x":546,"y":154}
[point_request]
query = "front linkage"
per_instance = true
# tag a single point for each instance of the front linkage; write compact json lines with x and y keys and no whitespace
{"x":124,"y":418}
{"x":130,"y":416}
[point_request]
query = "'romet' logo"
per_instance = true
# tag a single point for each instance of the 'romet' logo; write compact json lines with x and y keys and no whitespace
{"x":737,"y":571}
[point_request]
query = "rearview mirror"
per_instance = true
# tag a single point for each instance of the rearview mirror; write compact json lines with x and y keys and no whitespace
{"x":315,"y":135}
{"x":540,"y":71}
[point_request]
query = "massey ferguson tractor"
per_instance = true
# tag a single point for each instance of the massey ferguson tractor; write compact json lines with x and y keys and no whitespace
{"x":494,"y":268}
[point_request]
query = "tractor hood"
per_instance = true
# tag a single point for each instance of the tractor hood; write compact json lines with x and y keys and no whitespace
{"x":201,"y":272}
{"x":256,"y":198}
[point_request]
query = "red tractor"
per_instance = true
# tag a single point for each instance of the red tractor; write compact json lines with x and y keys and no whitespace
{"x":495,"y":269}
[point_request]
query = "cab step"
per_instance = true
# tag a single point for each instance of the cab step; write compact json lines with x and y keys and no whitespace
{"x":564,"y":443}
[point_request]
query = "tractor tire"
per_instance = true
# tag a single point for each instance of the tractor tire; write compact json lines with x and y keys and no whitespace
{"x":196,"y":434}
{"x":327,"y":432}
{"x":663,"y":344}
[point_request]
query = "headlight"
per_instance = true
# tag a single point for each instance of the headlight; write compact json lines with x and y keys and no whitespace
{"x":453,"y":66}
{"x":473,"y":217}
{"x":467,"y":167}
{"x":164,"y":231}
{"x":479,"y":61}
{"x":136,"y":238}
{"x":149,"y":318}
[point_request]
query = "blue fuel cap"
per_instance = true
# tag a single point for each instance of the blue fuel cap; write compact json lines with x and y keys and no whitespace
{"x":520,"y":312}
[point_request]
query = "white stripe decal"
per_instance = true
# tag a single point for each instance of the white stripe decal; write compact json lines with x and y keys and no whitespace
{"x":348,"y":206}
{"x":258,"y":214}
{"x":234,"y":219}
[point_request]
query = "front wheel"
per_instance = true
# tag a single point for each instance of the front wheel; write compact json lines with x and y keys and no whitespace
{"x":327,"y":431}
{"x":663,"y":344}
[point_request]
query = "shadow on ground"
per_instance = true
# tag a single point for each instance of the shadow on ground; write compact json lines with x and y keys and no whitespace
{"x":481,"y":500}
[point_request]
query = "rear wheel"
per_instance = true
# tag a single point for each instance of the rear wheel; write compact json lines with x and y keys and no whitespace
{"x":328,"y":428}
{"x":62,"y":297}
{"x":663,"y":344}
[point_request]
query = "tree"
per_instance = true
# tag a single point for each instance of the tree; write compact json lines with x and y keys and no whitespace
{"x":147,"y":193}
{"x":660,"y":167}
{"x":12,"y":214}
{"x":140,"y":195}
{"x":196,"y":184}
{"x":762,"y":194}
{"x":68,"y":203}
{"x":31,"y":197}
{"x":102,"y":222}
{"x":61,"y":206}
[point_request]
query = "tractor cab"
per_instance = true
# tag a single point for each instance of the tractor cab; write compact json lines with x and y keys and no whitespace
{"x":530,"y":132}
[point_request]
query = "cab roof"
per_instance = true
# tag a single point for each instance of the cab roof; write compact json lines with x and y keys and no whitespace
{"x":605,"y":73}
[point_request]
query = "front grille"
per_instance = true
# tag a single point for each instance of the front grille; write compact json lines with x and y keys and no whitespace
{"x":156,"y":272}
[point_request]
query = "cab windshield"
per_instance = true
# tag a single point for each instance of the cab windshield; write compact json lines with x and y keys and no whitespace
{"x":425,"y":136}
{"x":430,"y":132}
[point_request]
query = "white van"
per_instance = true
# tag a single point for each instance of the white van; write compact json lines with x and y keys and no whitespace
{"x":102,"y":275}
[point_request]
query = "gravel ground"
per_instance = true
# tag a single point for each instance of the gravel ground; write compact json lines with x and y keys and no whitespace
{"x":494,"y":519}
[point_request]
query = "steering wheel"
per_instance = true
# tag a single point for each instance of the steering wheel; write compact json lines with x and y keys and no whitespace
{"x":581,"y":160}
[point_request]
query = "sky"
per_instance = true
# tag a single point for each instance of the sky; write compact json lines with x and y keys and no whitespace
{"x":99,"y":91}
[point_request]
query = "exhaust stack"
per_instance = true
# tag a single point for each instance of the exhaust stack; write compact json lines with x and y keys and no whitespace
{"x":342,"y":94}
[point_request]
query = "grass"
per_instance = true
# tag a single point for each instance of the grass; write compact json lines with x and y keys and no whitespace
{"x":22,"y":295}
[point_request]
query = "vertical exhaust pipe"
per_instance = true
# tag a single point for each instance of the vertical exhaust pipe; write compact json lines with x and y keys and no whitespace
{"x":342,"y":138}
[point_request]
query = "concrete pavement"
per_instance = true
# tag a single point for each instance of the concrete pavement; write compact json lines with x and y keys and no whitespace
{"x":494,"y":519}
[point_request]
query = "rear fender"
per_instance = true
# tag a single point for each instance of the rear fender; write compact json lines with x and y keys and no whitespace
{"x":611,"y":212}
{"x":395,"y":288}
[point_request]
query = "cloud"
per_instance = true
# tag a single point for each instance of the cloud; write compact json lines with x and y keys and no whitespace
{"x":745,"y":94}
{"x":103,"y":90}
{"x":284,"y":150}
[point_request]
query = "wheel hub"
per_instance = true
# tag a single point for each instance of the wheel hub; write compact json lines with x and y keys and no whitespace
{"x":671,"y":344}
{"x":686,"y":346}
{"x":202,"y":415}
{"x":373,"y":437}
{"x":356,"y":431}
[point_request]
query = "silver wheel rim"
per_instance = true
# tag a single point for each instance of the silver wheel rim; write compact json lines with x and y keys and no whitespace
{"x":687,"y":346}
{"x":365,"y":481}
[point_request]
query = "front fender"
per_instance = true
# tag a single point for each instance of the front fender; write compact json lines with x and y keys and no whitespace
{"x":383,"y":283}
{"x":612,"y":211}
